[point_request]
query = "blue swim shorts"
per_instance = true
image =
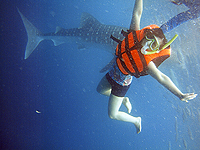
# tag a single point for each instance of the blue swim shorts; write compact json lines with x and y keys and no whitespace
{"x":117,"y":89}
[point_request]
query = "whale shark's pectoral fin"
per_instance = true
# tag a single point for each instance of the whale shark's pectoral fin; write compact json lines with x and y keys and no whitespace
{"x":108,"y":66}
{"x":58,"y":41}
{"x":34,"y":36}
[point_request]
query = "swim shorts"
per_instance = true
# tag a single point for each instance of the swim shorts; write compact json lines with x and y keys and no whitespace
{"x":117,"y":89}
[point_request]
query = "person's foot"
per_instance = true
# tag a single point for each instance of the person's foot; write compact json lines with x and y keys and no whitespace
{"x":138,"y":125}
{"x":127,"y":104}
{"x":188,"y":96}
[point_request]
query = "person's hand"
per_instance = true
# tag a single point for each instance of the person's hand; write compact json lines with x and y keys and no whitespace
{"x":176,"y":2}
{"x":188,"y":96}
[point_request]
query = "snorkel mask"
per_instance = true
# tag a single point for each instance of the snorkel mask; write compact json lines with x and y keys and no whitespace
{"x":152,"y":45}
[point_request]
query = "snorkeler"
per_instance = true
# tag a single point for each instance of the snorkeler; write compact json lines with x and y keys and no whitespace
{"x":139,"y":54}
{"x":192,"y":13}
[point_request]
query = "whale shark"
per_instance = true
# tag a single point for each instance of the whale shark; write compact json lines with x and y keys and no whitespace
{"x":89,"y":31}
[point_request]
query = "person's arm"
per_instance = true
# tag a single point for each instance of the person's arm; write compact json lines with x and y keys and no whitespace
{"x":137,"y":13}
{"x":192,"y":13}
{"x":178,"y":20}
{"x":167,"y":83}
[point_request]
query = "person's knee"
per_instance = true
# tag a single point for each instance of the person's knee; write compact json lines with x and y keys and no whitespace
{"x":112,"y":115}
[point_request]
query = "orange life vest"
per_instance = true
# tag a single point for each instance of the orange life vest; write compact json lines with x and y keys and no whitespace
{"x":130,"y":60}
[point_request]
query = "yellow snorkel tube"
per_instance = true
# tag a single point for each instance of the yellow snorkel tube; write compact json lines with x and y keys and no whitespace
{"x":145,"y":48}
{"x":170,"y":42}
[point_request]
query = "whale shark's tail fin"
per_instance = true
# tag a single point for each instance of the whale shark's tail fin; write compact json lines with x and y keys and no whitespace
{"x":33,"y":36}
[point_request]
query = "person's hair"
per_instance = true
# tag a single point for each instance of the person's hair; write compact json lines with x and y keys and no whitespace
{"x":158,"y":33}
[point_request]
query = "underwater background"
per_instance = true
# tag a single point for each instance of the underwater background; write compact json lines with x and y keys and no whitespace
{"x":49,"y":101}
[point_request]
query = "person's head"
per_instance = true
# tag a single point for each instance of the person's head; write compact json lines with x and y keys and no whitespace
{"x":153,"y":41}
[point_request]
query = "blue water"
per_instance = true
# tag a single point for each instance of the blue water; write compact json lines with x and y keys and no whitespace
{"x":60,"y":82}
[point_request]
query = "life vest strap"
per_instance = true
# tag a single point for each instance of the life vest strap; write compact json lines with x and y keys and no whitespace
{"x":137,"y":46}
{"x":125,"y":33}
{"x":137,"y":73}
{"x":115,"y":39}
{"x":124,"y":66}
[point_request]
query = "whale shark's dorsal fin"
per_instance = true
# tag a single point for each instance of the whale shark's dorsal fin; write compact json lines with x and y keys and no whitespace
{"x":58,"y":28}
{"x":88,"y":20}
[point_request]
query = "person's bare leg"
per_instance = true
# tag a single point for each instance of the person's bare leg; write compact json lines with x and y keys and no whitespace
{"x":114,"y":113}
{"x":127,"y":104}
{"x":104,"y":87}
